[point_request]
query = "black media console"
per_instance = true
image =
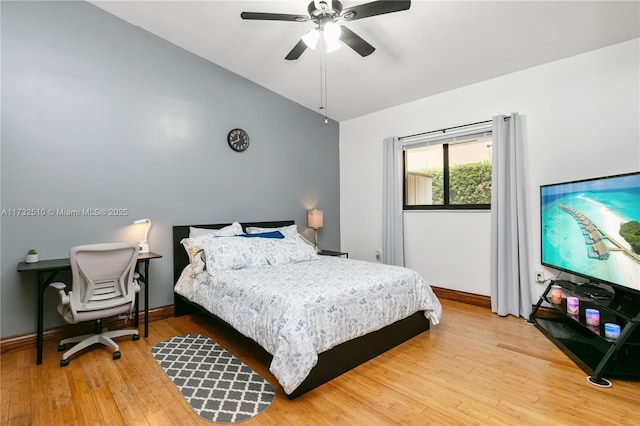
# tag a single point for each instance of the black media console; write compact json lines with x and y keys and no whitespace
{"x":587,"y":345}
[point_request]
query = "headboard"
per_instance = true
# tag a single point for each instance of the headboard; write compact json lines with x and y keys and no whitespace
{"x":180,"y":257}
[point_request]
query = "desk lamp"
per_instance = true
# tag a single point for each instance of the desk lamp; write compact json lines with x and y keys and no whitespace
{"x":315,"y":221}
{"x":144,"y":244}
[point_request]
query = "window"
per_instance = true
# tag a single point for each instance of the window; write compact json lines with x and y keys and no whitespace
{"x":448,"y":171}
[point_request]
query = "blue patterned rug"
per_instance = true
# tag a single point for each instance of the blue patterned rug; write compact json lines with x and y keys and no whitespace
{"x":219,"y":387}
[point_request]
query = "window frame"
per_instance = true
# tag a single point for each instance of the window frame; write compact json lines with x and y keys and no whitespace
{"x":445,"y":137}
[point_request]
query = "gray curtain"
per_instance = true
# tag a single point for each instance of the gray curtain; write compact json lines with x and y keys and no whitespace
{"x":392,"y":220}
{"x":510,"y":285}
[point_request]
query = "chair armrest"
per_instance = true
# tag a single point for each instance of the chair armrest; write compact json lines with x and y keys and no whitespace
{"x":58,"y":286}
{"x":136,"y":284}
{"x":64,"y":298}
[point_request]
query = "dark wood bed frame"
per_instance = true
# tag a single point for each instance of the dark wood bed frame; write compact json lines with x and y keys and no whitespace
{"x":331,"y":363}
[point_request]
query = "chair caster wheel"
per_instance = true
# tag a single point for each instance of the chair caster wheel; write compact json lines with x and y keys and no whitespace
{"x":136,"y":337}
{"x":64,"y":362}
{"x":62,"y":348}
{"x":117,"y":355}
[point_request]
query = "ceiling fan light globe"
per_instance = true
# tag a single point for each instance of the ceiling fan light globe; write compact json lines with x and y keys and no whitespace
{"x":332,"y":44}
{"x":331,"y":31}
{"x":311,"y":38}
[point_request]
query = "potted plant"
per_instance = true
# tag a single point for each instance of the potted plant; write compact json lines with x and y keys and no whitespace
{"x":32,"y":256}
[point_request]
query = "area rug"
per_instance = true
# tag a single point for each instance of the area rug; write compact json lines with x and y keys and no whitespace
{"x":219,"y":387}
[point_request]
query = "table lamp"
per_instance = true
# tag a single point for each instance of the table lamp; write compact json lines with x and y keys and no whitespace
{"x":144,"y":244}
{"x":315,"y":221}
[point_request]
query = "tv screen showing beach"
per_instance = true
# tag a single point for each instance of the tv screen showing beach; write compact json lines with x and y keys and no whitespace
{"x":592,"y":228}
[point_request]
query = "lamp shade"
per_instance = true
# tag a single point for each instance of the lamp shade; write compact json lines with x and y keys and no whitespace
{"x":144,"y":244}
{"x":315,"y":219}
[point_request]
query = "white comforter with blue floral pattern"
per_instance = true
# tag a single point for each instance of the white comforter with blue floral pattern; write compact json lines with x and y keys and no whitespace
{"x":299,"y":310}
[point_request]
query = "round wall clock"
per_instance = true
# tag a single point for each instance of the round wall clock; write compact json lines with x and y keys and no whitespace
{"x":238,"y":140}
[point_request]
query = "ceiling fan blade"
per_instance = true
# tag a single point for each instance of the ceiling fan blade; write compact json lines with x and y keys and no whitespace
{"x":356,"y":42}
{"x":297,"y":50}
{"x":273,"y":17}
{"x":374,"y":8}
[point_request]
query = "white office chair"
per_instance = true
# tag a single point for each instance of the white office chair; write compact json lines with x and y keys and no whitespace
{"x":104,"y":284}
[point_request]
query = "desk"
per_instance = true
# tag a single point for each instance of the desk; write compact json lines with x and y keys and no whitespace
{"x":47,"y":270}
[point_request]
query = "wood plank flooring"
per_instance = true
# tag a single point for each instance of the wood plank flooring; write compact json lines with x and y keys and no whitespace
{"x":474,"y":368}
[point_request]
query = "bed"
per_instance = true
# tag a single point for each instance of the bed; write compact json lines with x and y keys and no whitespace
{"x":305,"y":351}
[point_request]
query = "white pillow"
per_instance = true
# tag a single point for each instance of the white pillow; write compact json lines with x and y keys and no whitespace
{"x":288,"y":231}
{"x":228,"y":231}
{"x":233,"y":253}
{"x":196,"y":242}
{"x":286,"y":250}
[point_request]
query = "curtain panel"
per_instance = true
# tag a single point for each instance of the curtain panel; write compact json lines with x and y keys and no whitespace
{"x":510,"y":287}
{"x":392,"y":215}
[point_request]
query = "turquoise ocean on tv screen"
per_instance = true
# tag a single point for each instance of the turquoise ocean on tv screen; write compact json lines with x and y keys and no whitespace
{"x":564,"y":241}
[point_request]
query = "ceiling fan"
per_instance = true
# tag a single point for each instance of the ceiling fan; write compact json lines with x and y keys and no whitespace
{"x":325,"y":14}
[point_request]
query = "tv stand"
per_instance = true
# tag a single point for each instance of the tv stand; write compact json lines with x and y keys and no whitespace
{"x":598,"y":295}
{"x":595,"y":291}
{"x":587,"y":345}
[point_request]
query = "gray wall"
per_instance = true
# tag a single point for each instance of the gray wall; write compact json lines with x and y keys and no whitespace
{"x":97,"y":113}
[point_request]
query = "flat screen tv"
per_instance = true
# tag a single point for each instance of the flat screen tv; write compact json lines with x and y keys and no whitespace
{"x":591,"y":228}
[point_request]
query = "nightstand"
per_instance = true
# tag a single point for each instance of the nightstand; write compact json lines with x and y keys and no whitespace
{"x":333,"y":253}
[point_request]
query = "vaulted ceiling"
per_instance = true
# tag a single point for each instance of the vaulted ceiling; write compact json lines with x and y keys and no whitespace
{"x":433,"y":47}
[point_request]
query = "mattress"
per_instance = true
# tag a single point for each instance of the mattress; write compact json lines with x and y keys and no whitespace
{"x":298,"y":310}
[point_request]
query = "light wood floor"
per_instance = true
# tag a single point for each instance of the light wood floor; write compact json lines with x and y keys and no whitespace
{"x":472,"y":368}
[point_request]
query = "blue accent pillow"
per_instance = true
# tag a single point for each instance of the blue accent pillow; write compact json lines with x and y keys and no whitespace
{"x":272,"y":234}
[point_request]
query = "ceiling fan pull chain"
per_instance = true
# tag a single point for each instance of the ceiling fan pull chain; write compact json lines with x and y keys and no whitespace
{"x":321,"y":85}
{"x":326,"y":101}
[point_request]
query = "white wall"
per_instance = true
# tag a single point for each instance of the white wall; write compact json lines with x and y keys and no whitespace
{"x":580,"y":117}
